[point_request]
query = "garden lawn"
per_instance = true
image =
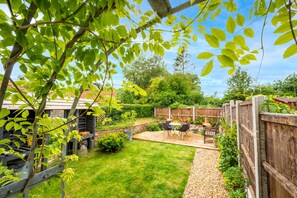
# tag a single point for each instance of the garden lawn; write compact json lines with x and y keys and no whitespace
{"x":141,"y":169}
{"x":119,"y":125}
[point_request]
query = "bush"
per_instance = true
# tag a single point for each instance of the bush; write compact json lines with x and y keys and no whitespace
{"x":235,"y":183}
{"x":233,"y":178}
{"x":112,"y":142}
{"x":141,"y":110}
{"x":154,"y":127}
{"x":227,"y":144}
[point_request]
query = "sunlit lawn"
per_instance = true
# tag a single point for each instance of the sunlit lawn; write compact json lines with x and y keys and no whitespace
{"x":123,"y":125}
{"x":141,"y":169}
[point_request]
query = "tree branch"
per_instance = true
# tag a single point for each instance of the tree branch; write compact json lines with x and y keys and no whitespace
{"x":16,"y":51}
{"x":21,"y":93}
{"x":76,"y":11}
{"x":291,"y":23}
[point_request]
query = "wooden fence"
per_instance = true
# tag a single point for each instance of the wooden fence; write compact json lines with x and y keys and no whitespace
{"x":268,"y":147}
{"x":184,"y":113}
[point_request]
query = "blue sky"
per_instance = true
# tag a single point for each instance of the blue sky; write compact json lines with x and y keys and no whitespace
{"x":274,"y":67}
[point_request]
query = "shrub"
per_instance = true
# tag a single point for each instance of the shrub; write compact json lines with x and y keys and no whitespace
{"x":112,"y":142}
{"x":129,"y":118}
{"x":227,"y":144}
{"x":142,"y":111}
{"x":202,"y":132}
{"x":235,"y":183}
{"x":154,"y":127}
{"x":233,"y":178}
{"x":200,"y":120}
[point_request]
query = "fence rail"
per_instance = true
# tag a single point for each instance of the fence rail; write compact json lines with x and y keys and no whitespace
{"x":268,"y":145}
{"x":184,"y":113}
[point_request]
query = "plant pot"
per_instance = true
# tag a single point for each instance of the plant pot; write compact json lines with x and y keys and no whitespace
{"x":129,"y":133}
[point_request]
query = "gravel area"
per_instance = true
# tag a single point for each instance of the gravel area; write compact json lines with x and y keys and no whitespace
{"x":205,"y":179}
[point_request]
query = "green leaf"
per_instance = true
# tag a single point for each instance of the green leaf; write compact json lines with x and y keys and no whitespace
{"x":2,"y":122}
{"x":205,"y":55}
{"x":285,"y":38}
{"x":290,"y":51}
{"x":285,"y":27}
{"x":25,"y":114}
{"x":9,"y":125}
{"x":240,"y":19}
{"x":225,"y":60}
{"x":212,"y":41}
{"x":5,"y":141}
{"x":207,"y":68}
{"x":194,"y":37}
{"x":231,"y":25}
{"x":23,"y":68}
{"x":3,"y":17}
{"x":249,"y":32}
{"x":14,"y":99}
{"x":229,"y":53}
{"x":239,"y":40}
{"x":4,"y":112}
{"x":231,"y":71}
{"x":218,"y":33}
{"x":230,"y":45}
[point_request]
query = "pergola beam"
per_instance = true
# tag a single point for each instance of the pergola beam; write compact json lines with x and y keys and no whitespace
{"x":163,"y":7}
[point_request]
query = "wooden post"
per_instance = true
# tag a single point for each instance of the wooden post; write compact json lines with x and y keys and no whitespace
{"x":155,"y":112}
{"x":231,"y":113}
{"x":75,"y":140}
{"x":1,"y":133}
{"x":194,"y":114}
{"x":262,"y":144}
{"x":169,"y":113}
{"x":238,"y":121}
{"x":257,"y":101}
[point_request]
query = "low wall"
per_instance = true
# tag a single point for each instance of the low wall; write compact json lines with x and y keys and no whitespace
{"x":136,"y":129}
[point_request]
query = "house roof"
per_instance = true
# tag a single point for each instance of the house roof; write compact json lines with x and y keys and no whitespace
{"x":53,"y":104}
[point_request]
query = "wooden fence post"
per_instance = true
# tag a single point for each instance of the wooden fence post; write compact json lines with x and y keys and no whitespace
{"x":231,"y":113}
{"x":194,"y":113}
{"x":238,"y":122}
{"x":262,"y":145}
{"x":169,"y":113}
{"x":257,"y":101}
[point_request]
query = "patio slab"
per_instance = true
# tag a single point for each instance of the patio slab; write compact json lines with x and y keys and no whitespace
{"x":193,"y":139}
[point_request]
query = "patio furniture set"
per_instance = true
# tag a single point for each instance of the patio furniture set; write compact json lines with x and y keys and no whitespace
{"x":182,"y":129}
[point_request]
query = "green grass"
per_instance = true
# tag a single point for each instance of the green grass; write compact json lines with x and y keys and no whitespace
{"x":122,"y":124}
{"x":141,"y":169}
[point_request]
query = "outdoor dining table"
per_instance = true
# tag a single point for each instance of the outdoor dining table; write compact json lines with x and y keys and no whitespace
{"x":175,"y":125}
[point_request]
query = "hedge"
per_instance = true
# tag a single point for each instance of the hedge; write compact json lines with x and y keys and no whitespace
{"x":142,"y":110}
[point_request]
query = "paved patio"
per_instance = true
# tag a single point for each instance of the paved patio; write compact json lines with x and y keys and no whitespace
{"x":193,"y":139}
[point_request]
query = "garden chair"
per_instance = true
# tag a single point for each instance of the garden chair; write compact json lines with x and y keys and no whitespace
{"x":166,"y":127}
{"x":212,"y":132}
{"x":183,"y":130}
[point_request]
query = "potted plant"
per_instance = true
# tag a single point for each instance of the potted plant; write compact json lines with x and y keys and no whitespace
{"x":129,"y":118}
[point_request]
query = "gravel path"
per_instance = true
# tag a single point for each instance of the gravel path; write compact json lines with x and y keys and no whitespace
{"x":205,"y":179}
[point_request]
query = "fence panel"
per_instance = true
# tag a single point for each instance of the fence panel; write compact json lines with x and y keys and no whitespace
{"x":247,"y":142}
{"x":211,"y":113}
{"x":234,"y":114}
{"x":162,"y":112}
{"x":181,"y":113}
{"x":281,"y":154}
